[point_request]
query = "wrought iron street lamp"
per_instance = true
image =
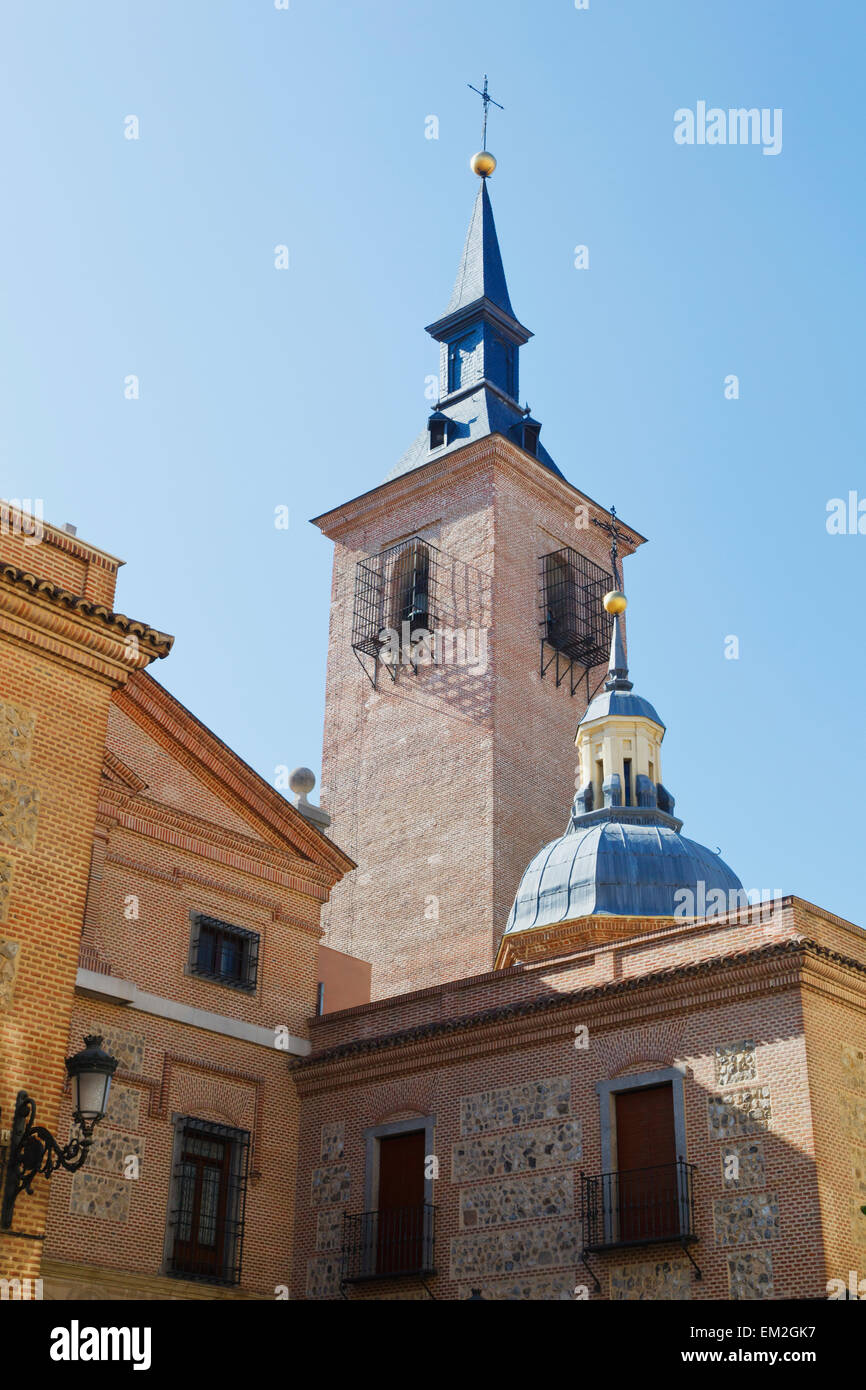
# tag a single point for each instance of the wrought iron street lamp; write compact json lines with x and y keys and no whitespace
{"x":33,"y":1149}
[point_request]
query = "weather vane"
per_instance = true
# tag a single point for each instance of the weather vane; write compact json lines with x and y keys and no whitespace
{"x":488,"y":101}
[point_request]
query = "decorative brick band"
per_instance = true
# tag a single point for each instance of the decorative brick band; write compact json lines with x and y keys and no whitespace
{"x":178,"y":877}
{"x":620,"y":1003}
{"x":158,"y":1090}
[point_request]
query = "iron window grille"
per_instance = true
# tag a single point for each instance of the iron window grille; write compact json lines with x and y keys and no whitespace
{"x":388,"y":1244}
{"x":574,"y":626}
{"x":209,"y":1202}
{"x":395,"y":594}
{"x":222,"y":952}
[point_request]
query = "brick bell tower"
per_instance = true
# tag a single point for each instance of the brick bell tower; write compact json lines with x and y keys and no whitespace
{"x":467,"y":634}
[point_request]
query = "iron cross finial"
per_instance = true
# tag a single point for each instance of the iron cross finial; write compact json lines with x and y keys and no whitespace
{"x":488,"y":100}
{"x":612,"y":528}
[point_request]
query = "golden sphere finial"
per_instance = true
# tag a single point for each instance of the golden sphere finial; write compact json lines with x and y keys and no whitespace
{"x":482,"y":164}
{"x":615,"y":602}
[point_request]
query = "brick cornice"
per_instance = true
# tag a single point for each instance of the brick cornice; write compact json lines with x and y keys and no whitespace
{"x":618,"y":1005}
{"x":120,"y":777}
{"x":72,"y":637}
{"x":97,"y":618}
{"x":198,"y":749}
{"x":25,"y":523}
{"x":834,"y":977}
{"x":388,"y":497}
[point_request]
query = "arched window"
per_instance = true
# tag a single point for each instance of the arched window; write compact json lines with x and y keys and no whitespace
{"x":410,"y":587}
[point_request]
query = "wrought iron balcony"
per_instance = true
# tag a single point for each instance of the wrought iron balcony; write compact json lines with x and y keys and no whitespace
{"x":643,"y":1206}
{"x":388,"y":1244}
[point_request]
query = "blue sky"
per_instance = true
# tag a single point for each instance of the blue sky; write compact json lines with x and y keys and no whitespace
{"x":260,"y":387}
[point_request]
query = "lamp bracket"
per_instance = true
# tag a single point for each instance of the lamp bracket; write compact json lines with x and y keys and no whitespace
{"x":33,"y":1150}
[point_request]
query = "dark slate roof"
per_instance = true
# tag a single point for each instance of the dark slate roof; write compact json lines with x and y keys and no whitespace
{"x":622,"y":702}
{"x":482,"y":413}
{"x":615,"y":868}
{"x":481,"y":274}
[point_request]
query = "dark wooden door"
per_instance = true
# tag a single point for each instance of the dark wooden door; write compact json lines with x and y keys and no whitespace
{"x":200,"y":1240}
{"x":648,"y":1198}
{"x":400,"y":1235}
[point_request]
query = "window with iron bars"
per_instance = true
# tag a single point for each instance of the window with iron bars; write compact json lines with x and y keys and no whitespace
{"x":395,"y":592}
{"x":575,"y":622}
{"x":206,"y":1220}
{"x":219,"y":951}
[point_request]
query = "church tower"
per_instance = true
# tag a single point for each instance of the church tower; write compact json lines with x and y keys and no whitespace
{"x":468,"y":634}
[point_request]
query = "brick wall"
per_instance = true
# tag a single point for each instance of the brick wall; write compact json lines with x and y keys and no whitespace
{"x":178,"y":833}
{"x":517,"y":1115}
{"x":58,"y":666}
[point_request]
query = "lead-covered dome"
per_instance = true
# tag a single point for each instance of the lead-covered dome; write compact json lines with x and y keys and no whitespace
{"x":618,"y":866}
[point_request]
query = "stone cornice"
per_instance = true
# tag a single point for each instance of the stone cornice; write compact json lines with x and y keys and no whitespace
{"x":628,"y":1003}
{"x":197,"y":748}
{"x":495,"y":448}
{"x":538,"y":946}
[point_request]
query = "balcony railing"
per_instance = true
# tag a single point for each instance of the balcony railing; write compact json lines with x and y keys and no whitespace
{"x":387,"y":1244}
{"x":642,"y":1206}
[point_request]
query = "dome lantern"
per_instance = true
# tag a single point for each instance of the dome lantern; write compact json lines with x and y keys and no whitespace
{"x":622,"y":854}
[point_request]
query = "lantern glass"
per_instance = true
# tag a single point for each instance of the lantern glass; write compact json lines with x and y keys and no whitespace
{"x":90,"y":1095}
{"x":90,"y":1072}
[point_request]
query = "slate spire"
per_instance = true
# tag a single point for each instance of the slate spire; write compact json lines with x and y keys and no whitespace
{"x":481,"y":274}
{"x":479,"y":359}
{"x":480,"y":296}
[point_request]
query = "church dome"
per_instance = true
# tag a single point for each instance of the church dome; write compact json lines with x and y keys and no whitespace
{"x":617,"y":867}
